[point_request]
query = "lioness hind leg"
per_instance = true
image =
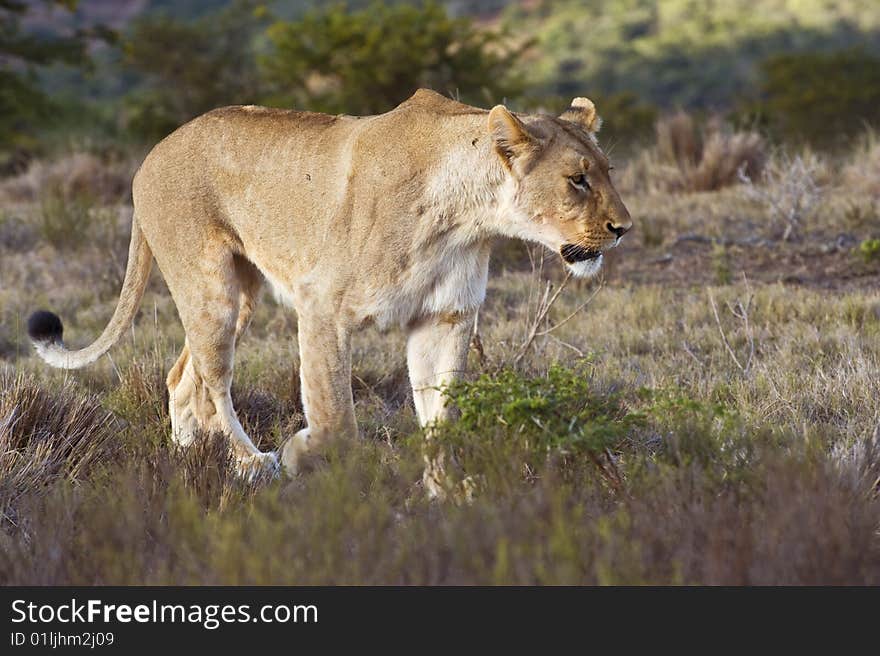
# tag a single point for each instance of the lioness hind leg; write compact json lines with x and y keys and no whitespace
{"x":214,"y":308}
{"x":188,"y":399}
{"x":184,"y":390}
{"x":250,"y":281}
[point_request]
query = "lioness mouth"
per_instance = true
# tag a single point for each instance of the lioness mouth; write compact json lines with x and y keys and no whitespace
{"x":572,"y":253}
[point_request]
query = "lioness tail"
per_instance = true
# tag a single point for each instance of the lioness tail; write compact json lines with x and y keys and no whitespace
{"x":45,"y":328}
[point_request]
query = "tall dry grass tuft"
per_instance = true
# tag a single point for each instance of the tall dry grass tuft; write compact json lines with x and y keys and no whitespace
{"x":690,"y":157}
{"x":208,"y":470}
{"x":74,"y":176}
{"x":862,"y":173}
{"x":46,"y":435}
{"x":679,"y":141}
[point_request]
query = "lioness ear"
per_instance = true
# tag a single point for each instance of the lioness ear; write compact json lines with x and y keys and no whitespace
{"x":583,"y":112}
{"x":512,"y":138}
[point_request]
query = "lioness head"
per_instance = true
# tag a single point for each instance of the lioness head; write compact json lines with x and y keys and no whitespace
{"x":562,"y":193}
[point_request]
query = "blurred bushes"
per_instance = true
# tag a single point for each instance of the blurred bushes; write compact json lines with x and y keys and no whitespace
{"x":189,"y":68}
{"x":64,"y":222}
{"x":862,"y":174}
{"x":107,"y":179}
{"x":627,"y":120}
{"x":366,"y":62}
{"x":696,"y":55}
{"x":23,"y":104}
{"x":820,"y":98}
{"x":635,"y":60}
{"x":332,"y":60}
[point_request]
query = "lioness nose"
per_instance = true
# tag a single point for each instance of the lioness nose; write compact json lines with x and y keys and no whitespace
{"x":619,"y":230}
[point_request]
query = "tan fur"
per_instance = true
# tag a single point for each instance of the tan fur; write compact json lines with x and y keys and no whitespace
{"x":384,"y":219}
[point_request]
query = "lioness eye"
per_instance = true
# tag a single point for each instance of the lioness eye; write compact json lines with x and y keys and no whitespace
{"x":579,"y":182}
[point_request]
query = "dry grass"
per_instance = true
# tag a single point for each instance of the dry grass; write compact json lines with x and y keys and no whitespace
{"x":48,"y":435}
{"x":791,"y":191}
{"x":688,"y":157}
{"x":739,"y":443}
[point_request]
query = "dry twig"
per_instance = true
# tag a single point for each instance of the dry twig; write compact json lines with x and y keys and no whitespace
{"x":741,"y":312}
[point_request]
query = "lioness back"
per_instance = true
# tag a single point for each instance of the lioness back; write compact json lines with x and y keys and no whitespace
{"x":245,"y":168}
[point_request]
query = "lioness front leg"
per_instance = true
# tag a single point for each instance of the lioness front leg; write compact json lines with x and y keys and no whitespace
{"x":325,"y":377}
{"x":436,"y":355}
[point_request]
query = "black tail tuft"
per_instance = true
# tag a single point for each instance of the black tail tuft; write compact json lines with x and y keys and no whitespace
{"x":44,"y":326}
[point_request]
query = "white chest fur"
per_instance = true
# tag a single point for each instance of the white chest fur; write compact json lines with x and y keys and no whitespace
{"x":449,"y":280}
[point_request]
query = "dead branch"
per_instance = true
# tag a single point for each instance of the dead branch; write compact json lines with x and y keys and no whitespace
{"x":544,"y":305}
{"x":741,"y":312}
{"x":580,"y":307}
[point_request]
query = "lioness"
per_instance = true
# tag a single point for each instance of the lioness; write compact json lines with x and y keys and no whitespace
{"x":382,"y":219}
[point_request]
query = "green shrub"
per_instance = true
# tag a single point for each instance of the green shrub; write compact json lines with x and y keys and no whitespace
{"x":709,"y":435}
{"x":556,"y":417}
{"x":869,"y":249}
{"x":558,"y":411}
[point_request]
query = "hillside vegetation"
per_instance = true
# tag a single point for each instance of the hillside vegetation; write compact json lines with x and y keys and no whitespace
{"x":804,"y":70}
{"x":681,"y":52}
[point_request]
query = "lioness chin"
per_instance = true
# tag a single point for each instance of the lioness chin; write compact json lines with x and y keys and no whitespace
{"x":382,"y":219}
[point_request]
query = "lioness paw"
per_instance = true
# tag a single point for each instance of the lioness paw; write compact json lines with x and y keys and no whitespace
{"x":258,"y":467}
{"x":293,"y":452}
